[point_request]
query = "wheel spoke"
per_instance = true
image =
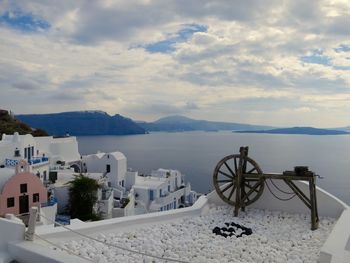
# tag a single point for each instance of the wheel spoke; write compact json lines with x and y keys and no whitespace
{"x":224,"y":181}
{"x":250,"y":187}
{"x":227,"y":175}
{"x":252,"y":190}
{"x":226,"y":188}
{"x":244,"y":196}
{"x":228,"y":167}
{"x":231,"y":193}
{"x":251,"y":170}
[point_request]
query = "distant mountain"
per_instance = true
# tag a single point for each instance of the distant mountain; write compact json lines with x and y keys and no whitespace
{"x":347,"y":128}
{"x":181,"y":123}
{"x":81,"y":123}
{"x":300,"y":130}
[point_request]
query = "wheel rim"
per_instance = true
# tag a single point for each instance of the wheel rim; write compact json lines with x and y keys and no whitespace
{"x":224,"y":179}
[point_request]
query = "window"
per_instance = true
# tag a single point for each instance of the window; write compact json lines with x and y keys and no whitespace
{"x":17,"y":153}
{"x":10,"y":202}
{"x":169,"y":188}
{"x":25,"y":152}
{"x":108,"y":168}
{"x":123,"y":183}
{"x":36,"y":197}
{"x":160,"y":192}
{"x":23,"y":188}
{"x":151,"y":195}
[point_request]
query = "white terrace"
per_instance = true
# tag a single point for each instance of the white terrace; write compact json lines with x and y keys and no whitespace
{"x":281,"y":233}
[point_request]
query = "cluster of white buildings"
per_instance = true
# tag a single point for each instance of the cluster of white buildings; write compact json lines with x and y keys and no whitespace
{"x":56,"y":161}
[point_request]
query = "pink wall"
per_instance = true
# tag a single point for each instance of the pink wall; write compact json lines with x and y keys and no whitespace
{"x":12,"y":189}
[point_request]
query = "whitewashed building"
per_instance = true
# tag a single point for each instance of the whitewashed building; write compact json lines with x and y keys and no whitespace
{"x":119,"y":182}
{"x":56,"y":160}
{"x":41,"y":153}
{"x":163,"y":190}
{"x":113,"y":165}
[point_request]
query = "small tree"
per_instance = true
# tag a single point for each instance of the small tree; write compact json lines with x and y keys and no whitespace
{"x":82,"y":197}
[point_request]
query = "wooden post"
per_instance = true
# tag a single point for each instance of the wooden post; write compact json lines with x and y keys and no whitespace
{"x":314,"y":213}
{"x":29,"y":235}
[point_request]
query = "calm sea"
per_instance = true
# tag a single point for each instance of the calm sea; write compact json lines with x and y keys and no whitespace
{"x":195,"y":154}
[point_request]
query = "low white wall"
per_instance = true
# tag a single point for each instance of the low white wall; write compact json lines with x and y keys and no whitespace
{"x":28,"y":251}
{"x":336,"y":249}
{"x":123,"y":223}
{"x":129,"y":209}
{"x":50,"y":213}
{"x":11,"y":230}
{"x":118,"y":212}
{"x":328,"y":205}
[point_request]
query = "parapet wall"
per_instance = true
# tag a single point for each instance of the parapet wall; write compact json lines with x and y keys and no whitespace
{"x":328,"y":205}
{"x":122,"y":223}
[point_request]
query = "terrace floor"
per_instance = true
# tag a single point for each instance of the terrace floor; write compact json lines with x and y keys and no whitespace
{"x":276,"y":237}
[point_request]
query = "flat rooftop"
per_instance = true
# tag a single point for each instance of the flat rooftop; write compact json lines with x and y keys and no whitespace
{"x":276,"y":237}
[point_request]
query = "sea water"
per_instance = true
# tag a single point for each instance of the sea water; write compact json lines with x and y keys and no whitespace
{"x":195,"y":154}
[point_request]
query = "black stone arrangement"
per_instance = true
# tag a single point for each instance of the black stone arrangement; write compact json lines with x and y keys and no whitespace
{"x":232,"y":229}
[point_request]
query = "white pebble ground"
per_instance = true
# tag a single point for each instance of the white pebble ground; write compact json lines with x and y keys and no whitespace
{"x":277,"y":237}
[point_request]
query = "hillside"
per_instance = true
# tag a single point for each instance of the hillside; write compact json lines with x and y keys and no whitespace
{"x":300,"y":130}
{"x":83,"y":123}
{"x":10,"y":125}
{"x":180,"y":123}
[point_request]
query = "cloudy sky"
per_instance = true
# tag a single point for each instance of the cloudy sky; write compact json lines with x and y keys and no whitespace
{"x":268,"y":62}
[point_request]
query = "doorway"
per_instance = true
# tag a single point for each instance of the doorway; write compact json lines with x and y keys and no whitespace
{"x":23,"y":204}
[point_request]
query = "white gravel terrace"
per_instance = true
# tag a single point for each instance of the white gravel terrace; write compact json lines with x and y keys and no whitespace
{"x":276,"y":237}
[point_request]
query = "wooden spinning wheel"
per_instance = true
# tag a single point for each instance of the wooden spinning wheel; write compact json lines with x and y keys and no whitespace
{"x":226,"y":177}
{"x":239,"y":181}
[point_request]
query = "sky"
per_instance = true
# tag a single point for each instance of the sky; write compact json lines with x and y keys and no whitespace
{"x":271,"y":62}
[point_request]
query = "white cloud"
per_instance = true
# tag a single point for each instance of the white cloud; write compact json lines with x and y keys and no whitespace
{"x":246,"y":67}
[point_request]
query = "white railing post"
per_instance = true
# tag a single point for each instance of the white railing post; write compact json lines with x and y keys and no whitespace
{"x":29,"y":235}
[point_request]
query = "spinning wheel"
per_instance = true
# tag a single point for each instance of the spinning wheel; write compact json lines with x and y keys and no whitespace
{"x":226,"y":179}
{"x":239,"y":181}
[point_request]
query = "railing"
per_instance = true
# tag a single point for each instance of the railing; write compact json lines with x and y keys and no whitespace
{"x":33,"y":161}
{"x":11,"y":162}
{"x":37,"y":160}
